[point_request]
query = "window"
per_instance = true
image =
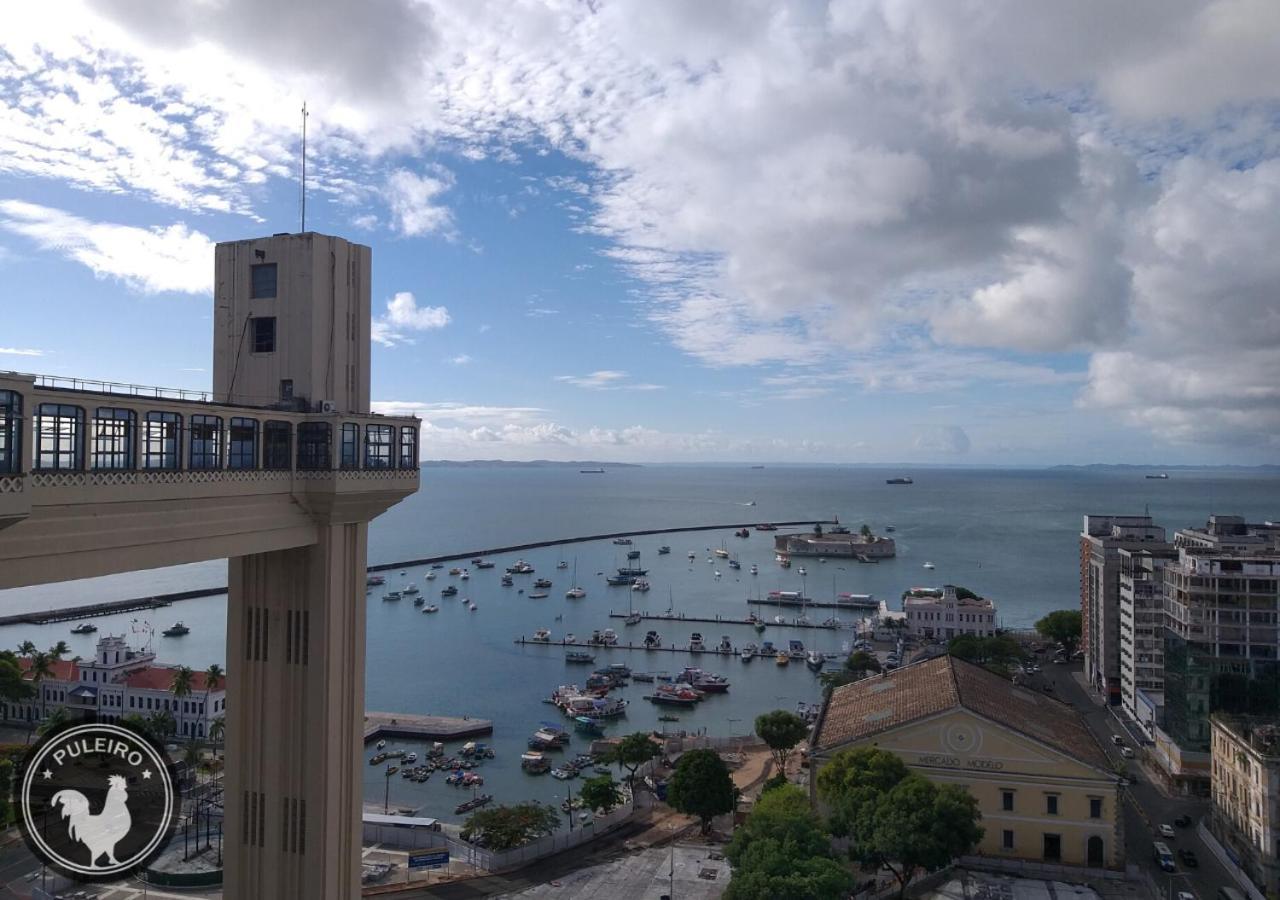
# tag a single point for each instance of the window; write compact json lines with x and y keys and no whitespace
{"x":314,"y":440}
{"x":1052,"y":847}
{"x":160,"y":440}
{"x":264,"y":334}
{"x":262,"y":281}
{"x":243,"y":452}
{"x":408,"y":447}
{"x":10,"y":432}
{"x":1007,"y":798}
{"x":1051,"y":804}
{"x":112,"y":438}
{"x":275,"y":445}
{"x":1095,"y":807}
{"x":377,"y":446}
{"x":206,"y":443}
{"x":350,"y":445}
{"x":1007,"y":840}
{"x":59,"y":436}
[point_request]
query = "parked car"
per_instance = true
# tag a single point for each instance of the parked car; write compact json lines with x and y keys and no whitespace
{"x":1117,"y":740}
{"x":1126,"y":752}
{"x":1186,"y":895}
{"x":1166,"y":831}
{"x":1182,"y":821}
{"x":1188,"y":858}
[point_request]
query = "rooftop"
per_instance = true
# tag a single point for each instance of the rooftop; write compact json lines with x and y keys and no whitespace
{"x":884,"y":703}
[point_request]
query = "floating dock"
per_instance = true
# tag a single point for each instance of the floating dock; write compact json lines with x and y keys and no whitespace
{"x":431,"y":728}
{"x":593,"y":648}
{"x":815,"y":604}
{"x":663,"y":617}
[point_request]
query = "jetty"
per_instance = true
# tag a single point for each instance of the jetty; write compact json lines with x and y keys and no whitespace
{"x":676,"y":617}
{"x":814,"y":604}
{"x":431,"y":728}
{"x":709,"y":650}
{"x":73,"y":613}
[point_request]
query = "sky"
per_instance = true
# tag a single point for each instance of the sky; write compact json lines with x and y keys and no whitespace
{"x":999,"y":232}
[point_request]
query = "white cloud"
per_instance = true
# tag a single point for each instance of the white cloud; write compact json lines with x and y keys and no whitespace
{"x":152,"y":260}
{"x":20,"y":351}
{"x":945,"y":440}
{"x":461,"y":359}
{"x":607,"y":380}
{"x":412,"y":198}
{"x":403,"y":315}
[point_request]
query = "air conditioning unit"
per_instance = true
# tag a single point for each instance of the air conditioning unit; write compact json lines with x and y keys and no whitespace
{"x":328,"y":407}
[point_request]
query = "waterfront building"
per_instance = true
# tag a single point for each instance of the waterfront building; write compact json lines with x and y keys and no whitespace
{"x":834,"y":544}
{"x":1221,"y":641}
{"x":279,"y":470}
{"x":1101,"y":540}
{"x":116,"y":682}
{"x":1045,"y":788}
{"x":1141,"y":634}
{"x":1246,"y":795}
{"x":940,"y":613}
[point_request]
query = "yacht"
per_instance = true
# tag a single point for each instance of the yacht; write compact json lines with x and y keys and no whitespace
{"x":575,"y":593}
{"x":375,"y":580}
{"x":455,"y":571}
{"x":814,"y":660}
{"x":692,"y":556}
{"x":696,"y":644}
{"x":507,"y":581}
{"x":465,"y":575}
{"x":633,"y":554}
{"x":755,"y":570}
{"x":430,"y":576}
{"x":391,"y":595}
{"x":419,"y":600}
{"x":664,"y":550}
{"x":411,"y":589}
{"x":726,"y":645}
{"x":801,"y":572}
{"x":471,"y":606}
{"x":84,"y":628}
{"x":539,"y":595}
{"x":177,"y":629}
{"x":721,"y":552}
{"x":579,"y":656}
{"x":652,"y":640}
{"x":902,"y":480}
{"x":520,"y":568}
{"x":449,"y":591}
{"x":563,"y":564}
{"x":640,"y":585}
{"x":634,"y":619}
{"x":930,"y":565}
{"x":734,"y":564}
{"x":748,"y":653}
{"x":483,"y":564}
{"x":570,"y":638}
{"x":431,"y":608}
{"x":542,"y":583}
{"x":542,"y":635}
{"x":622,"y":542}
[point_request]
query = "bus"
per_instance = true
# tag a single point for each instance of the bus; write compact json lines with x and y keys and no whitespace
{"x":1164,"y":858}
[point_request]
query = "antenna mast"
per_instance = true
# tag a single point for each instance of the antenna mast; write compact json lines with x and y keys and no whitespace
{"x":304,"y":166}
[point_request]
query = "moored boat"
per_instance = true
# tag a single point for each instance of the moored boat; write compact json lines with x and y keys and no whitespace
{"x":579,"y":656}
{"x":542,"y":635}
{"x":664,"y":550}
{"x":696,"y":644}
{"x":84,"y":628}
{"x":815,"y":660}
{"x":652,"y":640}
{"x":391,"y":595}
{"x":177,"y":629}
{"x":634,"y":619}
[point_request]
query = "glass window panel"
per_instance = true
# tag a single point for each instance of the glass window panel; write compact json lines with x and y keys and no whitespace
{"x":113,"y":437}
{"x":314,"y":440}
{"x":161,"y":440}
{"x":10,"y":432}
{"x":243,"y":452}
{"x":59,"y":437}
{"x":262,"y":281}
{"x":206,"y":443}
{"x":276,"y":445}
{"x":408,"y":447}
{"x":350,"y":445}
{"x":377,"y":446}
{"x":264,"y":334}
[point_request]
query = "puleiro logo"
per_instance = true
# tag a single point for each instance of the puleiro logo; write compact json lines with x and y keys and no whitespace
{"x":96,"y":801}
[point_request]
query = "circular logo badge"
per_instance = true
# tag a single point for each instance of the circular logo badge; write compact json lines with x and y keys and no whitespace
{"x":96,"y":801}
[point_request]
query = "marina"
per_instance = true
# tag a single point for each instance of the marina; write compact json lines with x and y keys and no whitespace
{"x":722,"y":620}
{"x":383,"y":725}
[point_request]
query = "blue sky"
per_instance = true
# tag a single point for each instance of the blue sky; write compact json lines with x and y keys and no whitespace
{"x":827,"y":232}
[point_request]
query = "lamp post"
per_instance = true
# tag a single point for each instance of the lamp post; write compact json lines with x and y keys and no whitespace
{"x":386,"y":793}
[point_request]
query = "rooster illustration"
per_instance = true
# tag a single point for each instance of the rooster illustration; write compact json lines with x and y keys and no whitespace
{"x":101,"y":832}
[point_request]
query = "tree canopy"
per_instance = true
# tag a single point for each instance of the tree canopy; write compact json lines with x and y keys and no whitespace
{"x":783,"y":851}
{"x":1063,"y":626}
{"x":781,"y":730}
{"x":701,"y":786}
{"x":631,"y":752}
{"x":601,"y":793}
{"x":897,"y":818}
{"x":997,"y":653}
{"x":857,"y":665}
{"x":507,"y":827}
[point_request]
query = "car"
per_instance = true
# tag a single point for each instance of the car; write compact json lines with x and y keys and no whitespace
{"x":1126,"y":752}
{"x":1186,"y":895}
{"x":1117,"y":740}
{"x":1182,"y":821}
{"x":1188,"y":858}
{"x":1166,"y":831}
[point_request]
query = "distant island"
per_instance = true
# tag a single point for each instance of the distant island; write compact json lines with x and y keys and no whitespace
{"x":524,"y":464}
{"x":1163,"y":468}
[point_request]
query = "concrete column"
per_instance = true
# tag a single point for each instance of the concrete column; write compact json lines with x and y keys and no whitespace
{"x":295,"y":714}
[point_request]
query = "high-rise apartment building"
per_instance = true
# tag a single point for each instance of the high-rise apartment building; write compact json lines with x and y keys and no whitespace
{"x":1141,"y":635}
{"x":1101,"y":540}
{"x":1246,"y":795}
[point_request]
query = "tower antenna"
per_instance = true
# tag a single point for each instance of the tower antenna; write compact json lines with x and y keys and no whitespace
{"x":303,"y":189}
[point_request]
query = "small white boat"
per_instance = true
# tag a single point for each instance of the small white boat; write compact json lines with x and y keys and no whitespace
{"x":717,"y":573}
{"x":640,"y":585}
{"x":542,"y":635}
{"x":780,"y":620}
{"x":562,"y":564}
{"x":381,"y":744}
{"x":930,"y":565}
{"x":431,"y":576}
{"x":570,"y":638}
{"x":692,"y":556}
{"x":471,"y":606}
{"x":575,"y":593}
{"x":465,"y":575}
{"x":801,"y":572}
{"x":411,"y":589}
{"x":430,"y":609}
{"x":755,"y":570}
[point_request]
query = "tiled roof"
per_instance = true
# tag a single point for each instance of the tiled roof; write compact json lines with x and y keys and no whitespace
{"x":160,"y":678}
{"x":883,"y":703}
{"x":59,"y":669}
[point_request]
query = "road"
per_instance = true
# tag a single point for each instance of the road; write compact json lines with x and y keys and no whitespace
{"x":1146,"y":807}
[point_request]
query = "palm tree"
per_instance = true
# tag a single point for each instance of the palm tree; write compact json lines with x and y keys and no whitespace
{"x":138,"y":723}
{"x":54,"y":722}
{"x":26,"y":648}
{"x":213,"y":679}
{"x":162,"y":724}
{"x":217,"y":733}
{"x":41,"y":668}
{"x":59,"y":650}
{"x":183,"y":679}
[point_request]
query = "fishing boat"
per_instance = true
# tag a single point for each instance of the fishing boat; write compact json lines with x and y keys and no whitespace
{"x":541,"y":635}
{"x":696,"y":644}
{"x":473,"y":803}
{"x":857,"y":601}
{"x":619,"y":580}
{"x":640,"y":585}
{"x":539,"y":595}
{"x":766,"y":527}
{"x":455,"y":571}
{"x":633,"y":619}
{"x":482,"y":564}
{"x":672,"y":699}
{"x":782,"y":659}
{"x":542,"y":582}
{"x":549,"y":736}
{"x":520,"y":568}
{"x":84,"y":628}
{"x":622,"y":542}
{"x":431,"y":609}
{"x":381,"y":745}
{"x":642,"y":676}
{"x":595,"y":707}
{"x":448,"y":591}
{"x":652,"y":640}
{"x":692,"y":556}
{"x":734,"y":564}
{"x":668,"y":718}
{"x":535,"y":763}
{"x":579,"y":656}
{"x":664,"y":550}
{"x":564,"y":773}
{"x":795,"y":649}
{"x":411,"y":589}
{"x":815,"y":661}
{"x":465,"y":575}
{"x":391,"y":595}
{"x":901,"y":480}
{"x":742,"y":532}
{"x":588,"y":725}
{"x":633,"y":554}
{"x":177,"y":629}
{"x":418,"y":601}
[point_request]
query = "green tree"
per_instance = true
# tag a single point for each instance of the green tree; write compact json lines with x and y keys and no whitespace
{"x":41,"y":668}
{"x":601,"y":793}
{"x":162,"y":725}
{"x":13,"y":687}
{"x":214,"y":677}
{"x":59,"y":650}
{"x":865,"y":530}
{"x":54,"y":722}
{"x":182,"y":688}
{"x":998,"y":653}
{"x":139,"y":724}
{"x":782,"y":850}
{"x":817,"y":529}
{"x":897,"y":819}
{"x":506,"y":827}
{"x":701,"y":786}
{"x":857,"y":665}
{"x":6,"y":786}
{"x":217,"y":732}
{"x":630,"y":753}
{"x":781,"y":730}
{"x":26,"y":649}
{"x":1063,"y":626}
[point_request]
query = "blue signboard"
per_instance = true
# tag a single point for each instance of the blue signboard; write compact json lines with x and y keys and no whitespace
{"x":428,"y":859}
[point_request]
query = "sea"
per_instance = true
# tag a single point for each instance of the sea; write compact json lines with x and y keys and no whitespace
{"x":1010,"y":535}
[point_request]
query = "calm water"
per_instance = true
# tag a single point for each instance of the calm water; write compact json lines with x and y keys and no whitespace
{"x":1010,"y":535}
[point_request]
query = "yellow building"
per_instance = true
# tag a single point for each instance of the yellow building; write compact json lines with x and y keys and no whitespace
{"x":1046,"y":789}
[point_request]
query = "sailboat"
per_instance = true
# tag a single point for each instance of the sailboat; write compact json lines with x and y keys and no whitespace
{"x":633,"y":617}
{"x":575,"y":592}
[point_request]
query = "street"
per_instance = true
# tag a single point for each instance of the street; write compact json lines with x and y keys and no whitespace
{"x":1147,"y":806}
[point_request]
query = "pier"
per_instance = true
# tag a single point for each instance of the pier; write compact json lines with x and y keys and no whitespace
{"x":430,"y":728}
{"x":709,"y":650}
{"x":73,"y":613}
{"x":815,"y":604}
{"x":665,"y":617}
